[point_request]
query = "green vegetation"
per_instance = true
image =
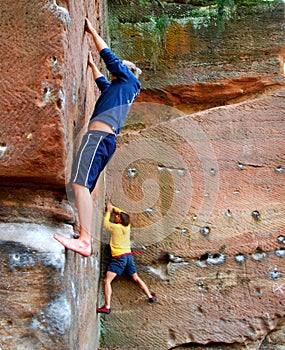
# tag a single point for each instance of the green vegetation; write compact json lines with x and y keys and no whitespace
{"x":160,"y":25}
{"x":222,"y":13}
{"x":160,"y":14}
{"x":153,"y":18}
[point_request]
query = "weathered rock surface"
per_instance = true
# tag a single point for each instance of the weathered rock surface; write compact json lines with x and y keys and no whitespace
{"x":201,"y":96}
{"x":48,"y":297}
{"x":205,"y":194}
{"x":204,"y":190}
{"x":180,"y":43}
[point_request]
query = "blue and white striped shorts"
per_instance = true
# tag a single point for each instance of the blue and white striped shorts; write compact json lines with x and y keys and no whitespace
{"x":96,"y":149}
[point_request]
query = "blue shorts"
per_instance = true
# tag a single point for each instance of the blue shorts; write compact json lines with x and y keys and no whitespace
{"x":96,"y":149}
{"x":122,"y":264}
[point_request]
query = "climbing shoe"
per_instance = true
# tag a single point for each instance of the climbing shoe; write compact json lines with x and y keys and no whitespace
{"x":153,"y":298}
{"x":103,"y":310}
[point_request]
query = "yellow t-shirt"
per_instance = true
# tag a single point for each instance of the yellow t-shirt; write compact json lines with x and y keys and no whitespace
{"x":120,"y":241}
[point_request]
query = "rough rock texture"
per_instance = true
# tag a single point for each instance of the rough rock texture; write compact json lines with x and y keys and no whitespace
{"x":205,"y":194}
{"x":206,"y":190}
{"x":188,"y":63}
{"x":180,"y":44}
{"x":48,"y":296}
{"x":43,"y":78}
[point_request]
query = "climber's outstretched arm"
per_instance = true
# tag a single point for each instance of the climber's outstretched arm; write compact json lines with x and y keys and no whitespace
{"x":94,"y":68}
{"x":99,"y":42}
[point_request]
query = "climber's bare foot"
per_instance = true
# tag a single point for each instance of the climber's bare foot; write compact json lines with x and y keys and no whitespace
{"x":76,"y":245}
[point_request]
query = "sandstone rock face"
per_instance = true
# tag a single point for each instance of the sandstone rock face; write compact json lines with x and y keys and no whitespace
{"x":48,"y":297}
{"x":44,"y":102}
{"x":205,"y":194}
{"x":203,"y":185}
{"x":32,"y":69}
{"x":180,"y":44}
{"x":205,"y":191}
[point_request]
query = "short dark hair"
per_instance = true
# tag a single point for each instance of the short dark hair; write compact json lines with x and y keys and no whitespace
{"x":125,"y":219}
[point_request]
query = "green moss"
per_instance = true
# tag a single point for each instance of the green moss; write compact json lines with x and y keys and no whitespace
{"x":144,"y":2}
{"x":144,"y":24}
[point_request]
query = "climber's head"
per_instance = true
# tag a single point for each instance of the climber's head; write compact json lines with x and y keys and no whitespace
{"x":133,"y":68}
{"x":122,"y":218}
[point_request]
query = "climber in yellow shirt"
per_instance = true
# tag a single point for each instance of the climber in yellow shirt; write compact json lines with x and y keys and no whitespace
{"x":120,"y":241}
{"x":122,"y":257}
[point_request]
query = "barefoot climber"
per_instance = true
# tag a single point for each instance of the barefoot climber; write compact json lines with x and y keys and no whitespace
{"x":99,"y":143}
{"x":122,"y":258}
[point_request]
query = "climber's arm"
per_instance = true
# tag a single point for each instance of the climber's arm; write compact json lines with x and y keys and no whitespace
{"x":94,"y":68}
{"x":99,"y":42}
{"x":107,"y":223}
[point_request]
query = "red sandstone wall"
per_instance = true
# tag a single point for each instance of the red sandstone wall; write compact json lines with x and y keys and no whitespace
{"x":33,"y":73}
{"x":205,"y":191}
{"x":48,"y":296}
{"x":207,"y":294}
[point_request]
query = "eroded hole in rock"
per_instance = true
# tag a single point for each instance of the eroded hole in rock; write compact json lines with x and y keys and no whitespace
{"x":259,"y":255}
{"x":9,"y":323}
{"x":132,"y":173}
{"x":163,"y":257}
{"x":240,"y":258}
{"x":229,"y":213}
{"x":54,"y":60}
{"x":216,"y":259}
{"x":175,"y":259}
{"x":274,"y":274}
{"x":204,"y":257}
{"x":240,"y":166}
{"x":279,"y":169}
{"x":280,"y":252}
{"x":256,"y":215}
{"x":3,"y":149}
{"x":59,"y":103}
{"x":200,"y":309}
{"x":171,"y":337}
{"x":205,"y":230}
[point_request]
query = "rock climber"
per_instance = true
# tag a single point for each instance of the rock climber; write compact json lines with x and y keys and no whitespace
{"x":99,"y":143}
{"x":122,"y":257}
